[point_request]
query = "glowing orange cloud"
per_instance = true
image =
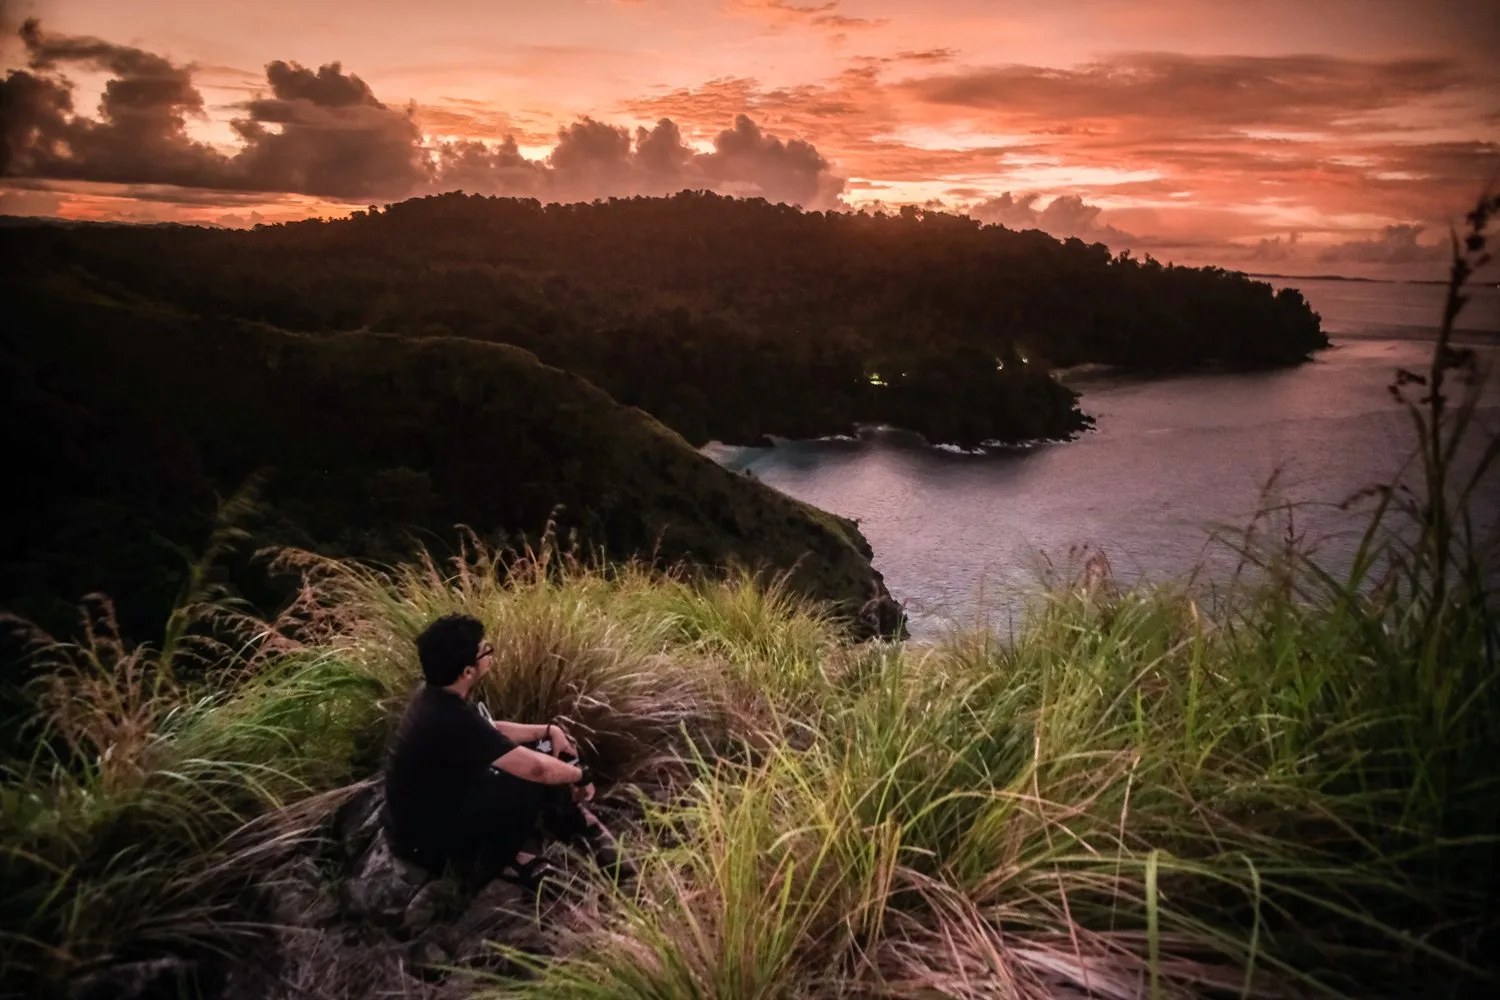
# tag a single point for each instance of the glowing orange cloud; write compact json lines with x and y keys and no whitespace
{"x":1346,"y":132}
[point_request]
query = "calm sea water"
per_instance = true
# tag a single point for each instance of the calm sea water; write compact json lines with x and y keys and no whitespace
{"x":962,"y":538}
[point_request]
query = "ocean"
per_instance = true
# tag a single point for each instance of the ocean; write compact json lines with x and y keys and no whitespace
{"x":964,"y":539}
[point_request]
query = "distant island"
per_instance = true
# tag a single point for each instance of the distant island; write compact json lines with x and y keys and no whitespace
{"x":1327,"y":277}
{"x":1348,"y":277}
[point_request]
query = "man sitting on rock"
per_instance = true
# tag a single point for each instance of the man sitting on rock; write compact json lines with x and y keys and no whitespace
{"x":463,"y":790}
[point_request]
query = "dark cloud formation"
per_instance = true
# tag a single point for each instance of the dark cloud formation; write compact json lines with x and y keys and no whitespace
{"x":593,"y":156}
{"x":1065,"y":215}
{"x":1275,"y":248}
{"x":1398,"y":244}
{"x":1395,"y":245}
{"x":468,"y":165}
{"x":139,"y":134}
{"x":745,"y":160}
{"x":595,"y":160}
{"x":661,"y":151}
{"x":324,"y":133}
{"x":319,"y":132}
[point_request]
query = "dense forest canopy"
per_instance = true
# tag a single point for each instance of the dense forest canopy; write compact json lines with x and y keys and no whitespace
{"x":727,"y":319}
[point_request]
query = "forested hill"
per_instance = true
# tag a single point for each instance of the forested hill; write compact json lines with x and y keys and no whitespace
{"x":123,"y":423}
{"x":724,"y":318}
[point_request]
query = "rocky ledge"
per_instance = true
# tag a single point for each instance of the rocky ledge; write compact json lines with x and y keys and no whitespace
{"x":341,"y":916}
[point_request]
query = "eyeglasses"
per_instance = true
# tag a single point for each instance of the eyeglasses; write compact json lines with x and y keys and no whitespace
{"x":485,"y":650}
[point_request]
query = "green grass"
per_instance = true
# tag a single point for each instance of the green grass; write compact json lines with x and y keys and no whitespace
{"x":1138,"y":789}
{"x":1283,"y":788}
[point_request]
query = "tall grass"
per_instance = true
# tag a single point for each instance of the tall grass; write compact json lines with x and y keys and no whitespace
{"x":1284,"y":788}
{"x":132,"y":829}
{"x":1288,"y":790}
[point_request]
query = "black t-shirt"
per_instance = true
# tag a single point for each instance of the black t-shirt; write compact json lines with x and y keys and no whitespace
{"x":441,"y":752}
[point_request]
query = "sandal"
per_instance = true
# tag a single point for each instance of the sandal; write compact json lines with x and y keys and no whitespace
{"x":537,"y":876}
{"x":605,"y":852}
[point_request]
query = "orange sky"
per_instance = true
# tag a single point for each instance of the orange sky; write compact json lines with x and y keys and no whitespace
{"x":1303,"y":137}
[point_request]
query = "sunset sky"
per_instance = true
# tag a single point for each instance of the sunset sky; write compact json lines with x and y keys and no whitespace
{"x":1304,"y":136}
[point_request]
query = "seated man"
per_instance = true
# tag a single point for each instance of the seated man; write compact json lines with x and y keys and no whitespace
{"x":461,"y":789}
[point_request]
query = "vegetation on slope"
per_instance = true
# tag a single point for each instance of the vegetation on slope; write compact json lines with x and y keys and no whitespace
{"x":128,"y":421}
{"x":726,"y":319}
{"x":1289,"y":791}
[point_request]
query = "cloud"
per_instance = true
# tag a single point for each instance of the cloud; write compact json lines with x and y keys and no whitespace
{"x":849,"y":112}
{"x":593,"y":159}
{"x":482,"y":168}
{"x":324,"y":133}
{"x":465,"y":118}
{"x":925,"y":55}
{"x":33,"y":203}
{"x":823,"y":15}
{"x":593,"y":156}
{"x":1307,"y":142}
{"x":1276,"y":249}
{"x":1395,"y":244}
{"x":1064,"y":216}
{"x":319,"y":132}
{"x":1207,"y":94}
{"x":746,"y":160}
{"x":661,"y":151}
{"x":1183,"y":148}
{"x":1008,"y":211}
{"x":234,"y":220}
{"x":139,"y":134}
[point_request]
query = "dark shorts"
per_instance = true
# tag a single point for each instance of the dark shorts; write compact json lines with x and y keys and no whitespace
{"x":495,"y":822}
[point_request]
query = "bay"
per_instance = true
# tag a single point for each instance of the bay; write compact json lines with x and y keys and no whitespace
{"x":962,"y":539}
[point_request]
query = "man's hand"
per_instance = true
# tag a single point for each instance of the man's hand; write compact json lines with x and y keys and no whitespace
{"x":583,"y":793}
{"x":561,"y":742}
{"x":535,"y":732}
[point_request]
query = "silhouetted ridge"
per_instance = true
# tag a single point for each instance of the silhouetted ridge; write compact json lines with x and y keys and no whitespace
{"x":729,"y":319}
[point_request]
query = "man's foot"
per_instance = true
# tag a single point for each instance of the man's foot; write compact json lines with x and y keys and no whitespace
{"x":536,"y":875}
{"x":605,"y":850}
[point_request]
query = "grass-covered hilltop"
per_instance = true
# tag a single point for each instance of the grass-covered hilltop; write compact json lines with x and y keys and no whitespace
{"x":724,"y":318}
{"x":1282,"y":788}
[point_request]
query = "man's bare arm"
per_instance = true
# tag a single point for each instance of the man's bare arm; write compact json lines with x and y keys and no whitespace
{"x":529,"y":765}
{"x":520,"y":732}
{"x":526,"y":732}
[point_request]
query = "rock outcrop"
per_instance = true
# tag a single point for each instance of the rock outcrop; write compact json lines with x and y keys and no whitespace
{"x":352,"y":919}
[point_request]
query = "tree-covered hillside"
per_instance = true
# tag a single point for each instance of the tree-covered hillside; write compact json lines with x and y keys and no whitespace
{"x":726,"y":319}
{"x":124,"y":424}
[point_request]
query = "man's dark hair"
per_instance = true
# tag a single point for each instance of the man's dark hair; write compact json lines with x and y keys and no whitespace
{"x":447,"y":646}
